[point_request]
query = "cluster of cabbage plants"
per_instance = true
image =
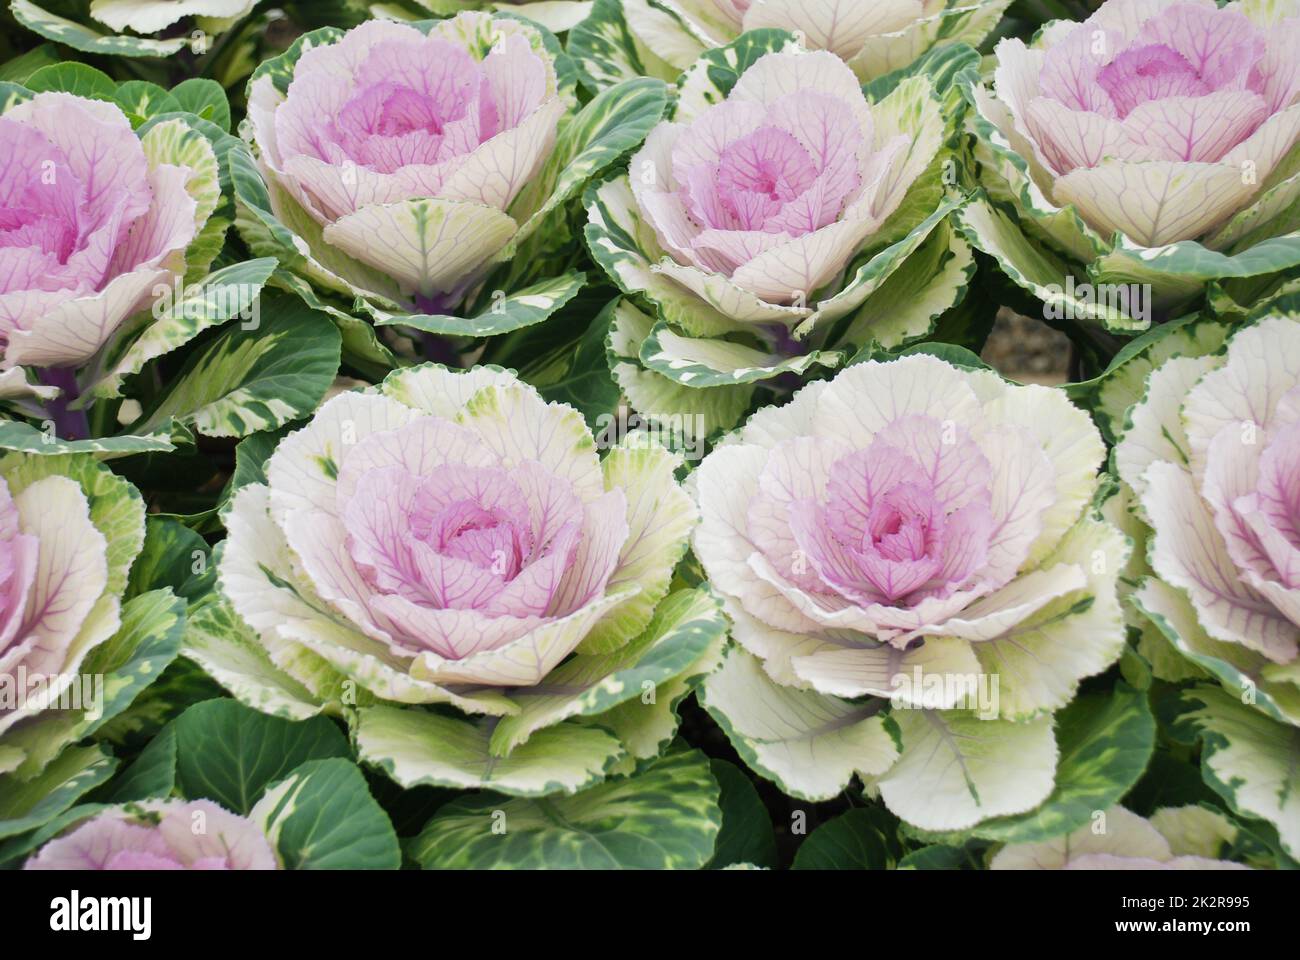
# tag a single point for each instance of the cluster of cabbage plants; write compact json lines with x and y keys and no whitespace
{"x":548,"y":434}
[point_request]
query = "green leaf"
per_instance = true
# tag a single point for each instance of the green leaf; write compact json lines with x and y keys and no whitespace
{"x":74,"y":78}
{"x":746,"y":836}
{"x":27,"y":804}
{"x":25,"y":438}
{"x":23,"y":66}
{"x":173,"y":556}
{"x":83,"y":38}
{"x":218,"y":641}
{"x":713,"y":75}
{"x":684,"y":626}
{"x":504,"y":313}
{"x":865,"y":838}
{"x":616,"y":121}
{"x":565,"y":359}
{"x":228,"y":753}
{"x":1105,"y":742}
{"x":810,"y":745}
{"x":1252,"y":762}
{"x":322,"y":817}
{"x":142,"y":99}
{"x":666,"y":817}
{"x":204,"y":98}
{"x":421,"y":748}
{"x":259,"y":378}
{"x":941,"y":857}
{"x":223,"y":295}
{"x":152,"y":774}
{"x":607,"y":52}
{"x":700,"y":362}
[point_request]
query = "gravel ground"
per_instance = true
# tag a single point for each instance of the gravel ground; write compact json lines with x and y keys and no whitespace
{"x":1027,"y":350}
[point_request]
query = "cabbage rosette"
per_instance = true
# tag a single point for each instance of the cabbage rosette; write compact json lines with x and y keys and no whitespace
{"x":160,"y":835}
{"x":453,"y":539}
{"x":627,"y":38}
{"x":777,"y":224}
{"x":113,"y":216}
{"x":917,"y":580}
{"x":1208,"y":459}
{"x":1147,"y":153}
{"x":418,"y":174}
{"x":78,"y":642}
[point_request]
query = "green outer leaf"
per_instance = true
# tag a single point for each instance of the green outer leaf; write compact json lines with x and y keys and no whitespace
{"x":703,"y":363}
{"x":1105,"y":741}
{"x":940,"y":857}
{"x":606,"y":52}
{"x":219,"y":642}
{"x":684,"y":625}
{"x":75,"y":78}
{"x":666,"y":817}
{"x":141,"y":99}
{"x":865,"y":838}
{"x":256,"y":379}
{"x":746,"y":835}
{"x":523,"y":308}
{"x":23,"y":437}
{"x":228,"y":753}
{"x":616,"y":121}
{"x":227,"y":293}
{"x":322,"y":817}
{"x":417,"y":747}
{"x":204,"y":98}
{"x":713,"y":75}
{"x":169,"y":557}
{"x":26,"y":805}
{"x":152,"y":774}
{"x":1252,"y":762}
{"x":88,"y":40}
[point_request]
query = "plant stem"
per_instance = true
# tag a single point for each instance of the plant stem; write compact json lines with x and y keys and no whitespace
{"x":68,"y":424}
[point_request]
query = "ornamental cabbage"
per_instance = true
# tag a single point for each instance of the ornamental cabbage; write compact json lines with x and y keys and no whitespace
{"x":920,"y":532}
{"x":94,"y":218}
{"x":160,"y":835}
{"x":623,"y":37}
{"x":401,"y":164}
{"x":777,"y":221}
{"x":1210,"y":459}
{"x":1151,"y":144}
{"x":452,"y":538}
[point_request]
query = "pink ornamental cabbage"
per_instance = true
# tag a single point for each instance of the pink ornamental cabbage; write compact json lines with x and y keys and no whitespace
{"x":1159,"y":119}
{"x":446,"y":532}
{"x":1212,"y":455}
{"x":402,"y":152}
{"x":760,"y":201}
{"x":69,"y":530}
{"x":92,"y":219}
{"x":160,"y":835}
{"x":902,"y":531}
{"x":873,"y":38}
